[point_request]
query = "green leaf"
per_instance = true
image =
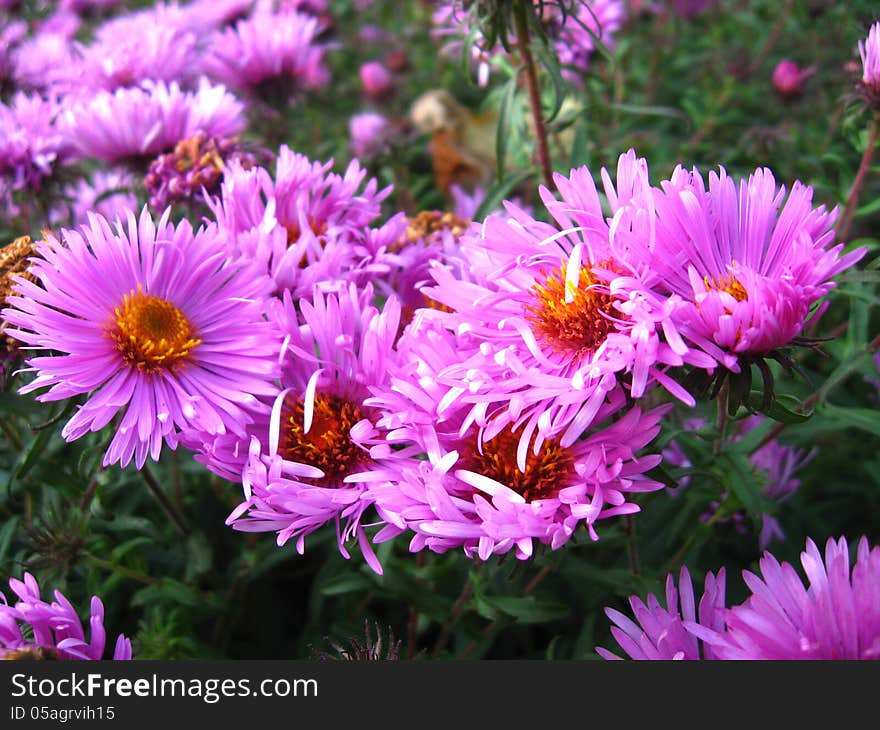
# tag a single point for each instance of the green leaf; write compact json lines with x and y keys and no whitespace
{"x":864,"y":419}
{"x":508,"y":95}
{"x":499,"y":191}
{"x":529,"y":609}
{"x":737,"y":474}
{"x":345,"y":583}
{"x":778,"y":411}
{"x":550,"y":62}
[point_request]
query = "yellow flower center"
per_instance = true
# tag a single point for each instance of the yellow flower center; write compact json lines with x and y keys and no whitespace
{"x":579,"y":325}
{"x":327,"y":445}
{"x":151,"y":333}
{"x":728,"y":283}
{"x":546,"y":472}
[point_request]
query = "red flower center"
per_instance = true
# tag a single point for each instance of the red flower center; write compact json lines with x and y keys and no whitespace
{"x":327,"y":445}
{"x":546,"y":472}
{"x":579,"y":325}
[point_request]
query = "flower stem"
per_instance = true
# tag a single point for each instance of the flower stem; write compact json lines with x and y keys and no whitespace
{"x":722,"y":417}
{"x":487,"y":632}
{"x":454,"y":615}
{"x":167,"y":507}
{"x":852,"y":200}
{"x":521,"y":22}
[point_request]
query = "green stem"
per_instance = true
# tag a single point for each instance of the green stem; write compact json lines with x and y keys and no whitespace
{"x":167,"y":507}
{"x":852,"y":199}
{"x":521,"y":21}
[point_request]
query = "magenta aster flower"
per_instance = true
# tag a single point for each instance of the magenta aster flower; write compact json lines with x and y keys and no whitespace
{"x":490,"y":493}
{"x":30,"y":141}
{"x":193,"y":169}
{"x":304,"y":225}
{"x":55,"y":629}
{"x":661,"y":633}
{"x":154,"y":323}
{"x":749,"y":267}
{"x":146,"y":120}
{"x":47,"y":60}
{"x":788,"y":78}
{"x":145,"y":46}
{"x":271,"y":53}
{"x":369,"y":133}
{"x":107,"y":192}
{"x":322,"y":448}
{"x":564,"y":316}
{"x":869,"y":50}
{"x":836,"y":616}
{"x":376,"y":80}
{"x":576,"y":37}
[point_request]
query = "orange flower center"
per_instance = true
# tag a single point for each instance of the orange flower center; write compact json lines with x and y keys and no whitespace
{"x":728,"y":283}
{"x":319,"y":228}
{"x":579,"y":325}
{"x":151,"y":333}
{"x":327,"y":445}
{"x":546,"y":472}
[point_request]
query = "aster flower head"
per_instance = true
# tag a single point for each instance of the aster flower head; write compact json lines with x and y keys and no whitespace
{"x":154,"y":324}
{"x":565,"y":316}
{"x":303,"y":224}
{"x":369,"y":133}
{"x":149,"y":45}
{"x":376,"y":80}
{"x":661,"y":633}
{"x":140,"y":122}
{"x":47,"y":60}
{"x":31,"y":144}
{"x":194,"y":168}
{"x":271,"y":54}
{"x":577,"y":31}
{"x":493,"y":491}
{"x":788,"y":78}
{"x":749,"y":261}
{"x":107,"y":192}
{"x":835,"y":616}
{"x":321,"y":450}
{"x":869,"y":50}
{"x":55,"y":628}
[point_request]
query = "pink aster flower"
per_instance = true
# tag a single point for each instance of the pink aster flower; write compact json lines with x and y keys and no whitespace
{"x":492,"y":493}
{"x":270,"y":53}
{"x":836,"y":616}
{"x":31,"y":144}
{"x":193,"y":169}
{"x":788,"y":78}
{"x":144,"y":46}
{"x":55,"y":629}
{"x":869,"y":50}
{"x":369,"y":133}
{"x":565,"y":316}
{"x":749,"y":263}
{"x":302,"y":225}
{"x":109,"y":193}
{"x":322,"y":449}
{"x":154,"y":323}
{"x":376,"y":80}
{"x":146,"y":120}
{"x":661,"y":633}
{"x":576,"y":37}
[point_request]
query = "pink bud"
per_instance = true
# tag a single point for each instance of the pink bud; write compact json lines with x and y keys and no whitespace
{"x":788,"y":78}
{"x":376,"y":79}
